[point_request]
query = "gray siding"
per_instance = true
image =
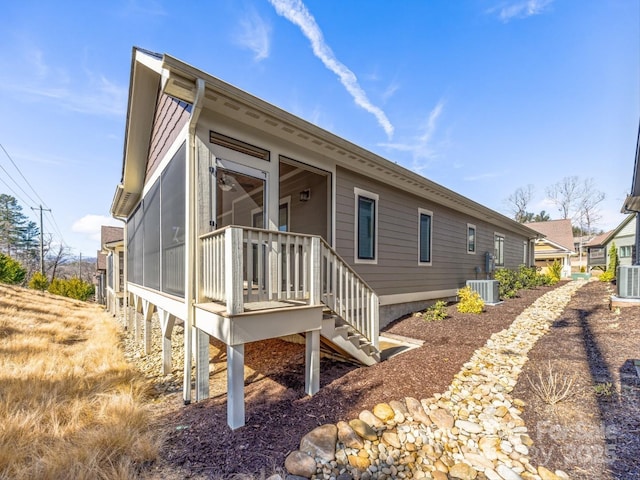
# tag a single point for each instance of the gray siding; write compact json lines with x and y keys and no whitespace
{"x":397,"y":270}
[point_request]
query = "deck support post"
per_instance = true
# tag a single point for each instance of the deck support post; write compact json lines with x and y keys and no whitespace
{"x":235,"y":386}
{"x":128,"y":314}
{"x":202,"y":364}
{"x":312,"y":363}
{"x":167,"y":321}
{"x":137,"y":303}
{"x":147,"y":312}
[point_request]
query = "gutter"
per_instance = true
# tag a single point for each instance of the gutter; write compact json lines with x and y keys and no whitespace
{"x":191,"y":237}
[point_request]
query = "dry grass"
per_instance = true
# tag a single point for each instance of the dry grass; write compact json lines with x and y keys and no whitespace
{"x":552,"y":387}
{"x":70,"y":405}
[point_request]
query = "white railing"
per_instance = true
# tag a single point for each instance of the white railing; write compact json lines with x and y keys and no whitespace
{"x":348,"y":295}
{"x":241,"y":265}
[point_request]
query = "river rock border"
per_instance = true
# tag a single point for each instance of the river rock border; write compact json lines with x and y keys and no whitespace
{"x":473,"y":431}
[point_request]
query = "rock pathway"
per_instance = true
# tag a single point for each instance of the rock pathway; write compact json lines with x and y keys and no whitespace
{"x":473,"y":431}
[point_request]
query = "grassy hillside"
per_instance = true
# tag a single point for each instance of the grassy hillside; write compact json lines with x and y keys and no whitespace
{"x":70,"y":406}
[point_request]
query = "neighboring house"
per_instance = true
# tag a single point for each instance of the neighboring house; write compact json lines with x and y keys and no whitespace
{"x":556,"y":244}
{"x":110,"y":289}
{"x":631,"y":203}
{"x":624,"y":237}
{"x":247,"y":222}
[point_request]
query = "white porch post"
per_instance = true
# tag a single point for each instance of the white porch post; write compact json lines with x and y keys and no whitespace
{"x":375,"y":319}
{"x":312,"y":362}
{"x":202,"y":364}
{"x":147,"y":312}
{"x":233,"y":265}
{"x":235,"y":386}
{"x":315,"y":272}
{"x":167,"y":322}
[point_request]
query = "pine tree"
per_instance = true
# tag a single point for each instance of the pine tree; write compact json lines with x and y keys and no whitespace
{"x":18,"y":235}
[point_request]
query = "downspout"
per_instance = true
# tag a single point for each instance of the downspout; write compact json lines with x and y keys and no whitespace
{"x":191,"y":237}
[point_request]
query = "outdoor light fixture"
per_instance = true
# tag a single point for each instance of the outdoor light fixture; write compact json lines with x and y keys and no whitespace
{"x":226,"y":183}
{"x":305,"y":195}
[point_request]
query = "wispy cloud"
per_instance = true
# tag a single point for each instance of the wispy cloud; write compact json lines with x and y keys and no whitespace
{"x":390,"y":90}
{"x":255,"y":35}
{"x":421,"y":147}
{"x":522,"y":9}
{"x":482,"y":176}
{"x":37,"y":81}
{"x":296,"y":12}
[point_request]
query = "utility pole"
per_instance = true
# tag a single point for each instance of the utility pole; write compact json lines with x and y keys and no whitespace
{"x":41,"y":237}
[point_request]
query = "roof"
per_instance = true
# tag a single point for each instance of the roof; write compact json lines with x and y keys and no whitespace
{"x":101,"y":261}
{"x":632,"y":202}
{"x":559,"y":232}
{"x":151,"y":77}
{"x":606,"y":237}
{"x":109,"y":234}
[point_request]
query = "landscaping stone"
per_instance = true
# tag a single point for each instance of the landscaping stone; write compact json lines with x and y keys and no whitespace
{"x":472,"y":430}
{"x":348,"y":436}
{"x":320,"y":442}
{"x":301,"y":464}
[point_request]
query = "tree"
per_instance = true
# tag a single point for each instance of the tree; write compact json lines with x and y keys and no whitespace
{"x":518,"y":202}
{"x":11,"y":271}
{"x":588,"y":211}
{"x":565,"y":195}
{"x":18,"y":235}
{"x":542,"y":217}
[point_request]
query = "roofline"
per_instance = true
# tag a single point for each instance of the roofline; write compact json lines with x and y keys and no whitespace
{"x":188,"y":72}
{"x":615,"y":231}
{"x":557,"y":245}
{"x":178,"y":78}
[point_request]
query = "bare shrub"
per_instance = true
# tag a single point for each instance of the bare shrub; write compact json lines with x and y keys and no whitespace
{"x":550,"y":386}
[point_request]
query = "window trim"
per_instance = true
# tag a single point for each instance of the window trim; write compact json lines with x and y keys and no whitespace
{"x":497,"y":259}
{"x":358,"y":193}
{"x":428,"y":213}
{"x":475,"y":239}
{"x":625,"y":247}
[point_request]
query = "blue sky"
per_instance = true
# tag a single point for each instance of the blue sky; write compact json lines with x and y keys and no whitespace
{"x":480,"y":96}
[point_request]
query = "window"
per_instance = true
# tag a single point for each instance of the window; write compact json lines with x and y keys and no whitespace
{"x":498,"y":241}
{"x":366,"y":238}
{"x":625,"y":251}
{"x":525,"y":257}
{"x":425,"y":222}
{"x":471,"y":238}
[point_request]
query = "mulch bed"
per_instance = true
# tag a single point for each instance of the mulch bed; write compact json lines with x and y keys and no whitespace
{"x":595,"y":433}
{"x":200,"y":445}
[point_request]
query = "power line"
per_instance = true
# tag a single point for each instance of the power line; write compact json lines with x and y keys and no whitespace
{"x":17,"y":184}
{"x":14,"y":192}
{"x":22,"y":175}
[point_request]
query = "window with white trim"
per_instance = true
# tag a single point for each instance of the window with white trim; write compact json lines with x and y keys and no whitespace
{"x":498,"y":242}
{"x":366,"y":226}
{"x":625,"y":251}
{"x":471,"y":238}
{"x":425,"y":229}
{"x":525,"y":256}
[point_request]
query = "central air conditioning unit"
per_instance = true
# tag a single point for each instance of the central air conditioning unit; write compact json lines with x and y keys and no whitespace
{"x":629,"y":281}
{"x":489,"y":290}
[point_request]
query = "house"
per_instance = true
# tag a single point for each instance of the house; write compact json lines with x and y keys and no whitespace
{"x":631,"y":203}
{"x":555,"y":244}
{"x":246,"y":223}
{"x":624,"y":237}
{"x":110,"y":269}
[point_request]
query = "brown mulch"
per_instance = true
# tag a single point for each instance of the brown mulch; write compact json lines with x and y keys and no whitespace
{"x":595,"y":433}
{"x":200,"y":445}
